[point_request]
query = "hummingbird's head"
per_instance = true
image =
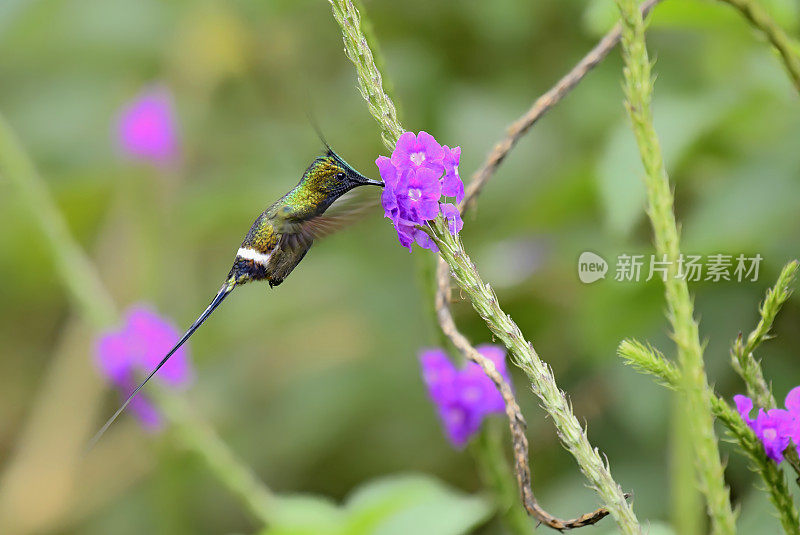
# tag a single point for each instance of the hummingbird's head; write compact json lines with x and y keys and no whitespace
{"x":331,"y":177}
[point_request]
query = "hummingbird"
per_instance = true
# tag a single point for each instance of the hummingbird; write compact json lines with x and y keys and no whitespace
{"x":279,"y":239}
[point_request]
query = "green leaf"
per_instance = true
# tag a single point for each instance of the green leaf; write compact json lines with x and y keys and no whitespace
{"x":306,"y":515}
{"x":420,"y":504}
{"x":392,"y":505}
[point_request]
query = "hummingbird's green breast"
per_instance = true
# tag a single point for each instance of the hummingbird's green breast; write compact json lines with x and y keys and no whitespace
{"x":281,"y":236}
{"x":272,"y":247}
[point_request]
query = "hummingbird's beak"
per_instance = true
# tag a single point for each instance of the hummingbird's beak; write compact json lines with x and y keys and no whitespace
{"x":370,"y":182}
{"x":361,"y":180}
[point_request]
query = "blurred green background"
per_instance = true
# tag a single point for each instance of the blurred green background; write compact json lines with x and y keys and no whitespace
{"x":315,"y":384}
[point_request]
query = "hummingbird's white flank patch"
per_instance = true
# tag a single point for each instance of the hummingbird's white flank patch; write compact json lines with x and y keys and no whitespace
{"x":247,"y":253}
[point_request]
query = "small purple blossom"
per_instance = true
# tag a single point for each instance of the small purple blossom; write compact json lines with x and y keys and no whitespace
{"x":124,"y":355}
{"x":463,"y":397}
{"x":775,"y":428}
{"x":416,"y":177}
{"x":146,"y":129}
{"x":452,"y":186}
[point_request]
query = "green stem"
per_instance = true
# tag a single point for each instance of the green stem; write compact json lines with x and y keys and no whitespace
{"x":746,"y":365}
{"x":483,"y":299}
{"x":374,"y":47}
{"x":198,"y":437}
{"x":370,"y":81}
{"x":76,"y":271}
{"x":688,"y":517}
{"x":760,"y":19}
{"x":772,"y":476}
{"x":743,"y":360}
{"x":498,"y":477}
{"x":648,"y":360}
{"x":543,"y":383}
{"x":638,"y":91}
{"x":80,"y":277}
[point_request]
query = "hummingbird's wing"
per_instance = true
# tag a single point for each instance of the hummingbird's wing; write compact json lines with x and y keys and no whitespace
{"x":344,"y":212}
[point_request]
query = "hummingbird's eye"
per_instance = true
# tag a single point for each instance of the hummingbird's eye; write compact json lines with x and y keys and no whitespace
{"x":340,"y":176}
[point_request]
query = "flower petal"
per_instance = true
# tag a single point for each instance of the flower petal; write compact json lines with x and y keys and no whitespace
{"x":792,"y":401}
{"x":744,"y":405}
{"x":768,"y":430}
{"x":456,"y":424}
{"x":439,"y":374}
{"x":427,"y":209}
{"x":146,"y":128}
{"x":146,"y":413}
{"x":154,"y":336}
{"x":453,"y":217}
{"x":406,"y":144}
{"x":433,"y":151}
{"x":425,"y":241}
{"x":452,"y":186}
{"x":387,"y":171}
{"x":112,"y":358}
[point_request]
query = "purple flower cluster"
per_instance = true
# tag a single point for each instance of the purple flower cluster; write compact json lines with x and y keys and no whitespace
{"x":134,"y":351}
{"x":146,"y":128}
{"x":775,"y":427}
{"x":417,"y":176}
{"x":463,"y":397}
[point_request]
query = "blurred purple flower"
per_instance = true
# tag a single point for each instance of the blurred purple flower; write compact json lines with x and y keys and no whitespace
{"x":419,"y":172}
{"x":146,"y":129}
{"x":124,"y":355}
{"x":463,"y":397}
{"x":773,"y":428}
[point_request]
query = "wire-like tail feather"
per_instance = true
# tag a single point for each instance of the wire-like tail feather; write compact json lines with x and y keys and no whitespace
{"x":226,"y":289}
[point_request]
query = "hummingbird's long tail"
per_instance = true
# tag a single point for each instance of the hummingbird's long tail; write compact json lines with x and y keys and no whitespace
{"x":226,"y":289}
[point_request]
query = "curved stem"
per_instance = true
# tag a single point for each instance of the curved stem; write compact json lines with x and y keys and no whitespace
{"x":516,"y":422}
{"x":543,"y":104}
{"x":497,"y":475}
{"x":543,"y":383}
{"x":77,"y":272}
{"x":198,"y":437}
{"x":761,"y":20}
{"x":483,"y":299}
{"x":745,"y":364}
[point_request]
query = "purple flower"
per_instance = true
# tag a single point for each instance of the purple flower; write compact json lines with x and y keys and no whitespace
{"x":771,"y":427}
{"x":418,"y":151}
{"x":146,"y":128}
{"x":419,"y":172}
{"x":410,"y":197}
{"x":463,"y":397}
{"x":125,"y":355}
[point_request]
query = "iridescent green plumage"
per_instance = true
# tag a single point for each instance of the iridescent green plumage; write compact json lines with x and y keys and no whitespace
{"x":279,"y":238}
